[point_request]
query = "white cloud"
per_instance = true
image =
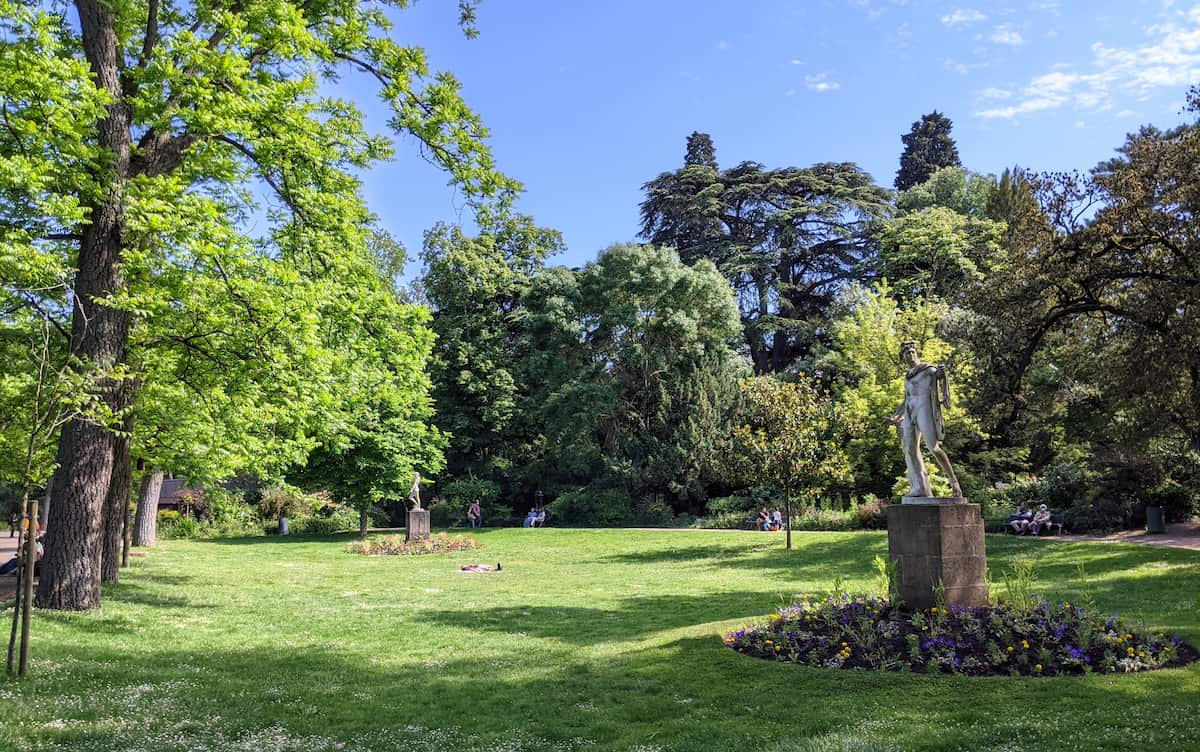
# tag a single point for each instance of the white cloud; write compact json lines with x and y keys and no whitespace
{"x":1007,"y":35}
{"x":1169,"y":58}
{"x":960,"y":67}
{"x":960,"y":17}
{"x":820,"y":82}
{"x":992,"y":92}
{"x":722,"y":45}
{"x":796,"y":61}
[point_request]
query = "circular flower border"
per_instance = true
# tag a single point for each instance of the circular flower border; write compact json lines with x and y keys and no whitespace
{"x":857,"y":631}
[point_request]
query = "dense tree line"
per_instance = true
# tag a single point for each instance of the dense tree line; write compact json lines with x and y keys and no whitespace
{"x":1064,"y":304}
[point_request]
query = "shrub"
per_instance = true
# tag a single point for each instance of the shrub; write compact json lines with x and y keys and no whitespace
{"x":593,"y":507}
{"x":723,"y":521}
{"x":340,"y":520}
{"x":843,"y":631}
{"x":395,"y":545}
{"x":281,"y":501}
{"x":229,"y":510}
{"x":441,"y":513}
{"x":872,"y":514}
{"x":168,"y":516}
{"x":179,"y":527}
{"x":459,"y":493}
{"x":742,"y":505}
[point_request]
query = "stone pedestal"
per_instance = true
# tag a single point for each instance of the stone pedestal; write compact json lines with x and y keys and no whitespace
{"x":418,"y":525}
{"x":936,"y":540}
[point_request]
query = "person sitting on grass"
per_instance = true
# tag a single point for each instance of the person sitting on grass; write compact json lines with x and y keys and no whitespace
{"x":1040,"y":521}
{"x":1020,"y":519}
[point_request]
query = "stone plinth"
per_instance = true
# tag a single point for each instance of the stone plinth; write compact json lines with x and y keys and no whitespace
{"x":418,"y":525}
{"x":936,"y":540}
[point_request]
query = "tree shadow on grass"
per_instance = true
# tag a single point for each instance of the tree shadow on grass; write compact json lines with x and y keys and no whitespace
{"x":634,"y":617}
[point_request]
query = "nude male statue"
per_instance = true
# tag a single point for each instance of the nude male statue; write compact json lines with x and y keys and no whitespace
{"x":926,"y":391}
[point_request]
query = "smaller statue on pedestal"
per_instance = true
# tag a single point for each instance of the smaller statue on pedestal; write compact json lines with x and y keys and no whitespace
{"x":926,"y":391}
{"x":414,"y":494}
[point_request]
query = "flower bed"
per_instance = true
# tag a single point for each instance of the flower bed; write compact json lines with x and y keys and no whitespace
{"x":844,"y":631}
{"x":396,"y":545}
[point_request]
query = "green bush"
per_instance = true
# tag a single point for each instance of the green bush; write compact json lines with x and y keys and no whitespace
{"x":723,"y":505}
{"x":178,"y":527}
{"x":282,"y":501}
{"x":168,"y":516}
{"x":459,"y":494}
{"x":441,"y":513}
{"x":342,"y":519}
{"x":872,"y":514}
{"x":590,"y":507}
{"x":723,"y":521}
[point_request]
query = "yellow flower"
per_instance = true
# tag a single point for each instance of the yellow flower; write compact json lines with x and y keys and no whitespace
{"x":776,"y":648}
{"x":1141,"y":654}
{"x":1025,"y":644}
{"x":1129,"y":650}
{"x":769,"y":642}
{"x":1037,"y":667}
{"x":1010,"y":648}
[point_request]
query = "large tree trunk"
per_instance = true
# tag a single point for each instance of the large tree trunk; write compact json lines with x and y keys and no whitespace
{"x":145,"y":525}
{"x":116,"y":502}
{"x":70,"y":572}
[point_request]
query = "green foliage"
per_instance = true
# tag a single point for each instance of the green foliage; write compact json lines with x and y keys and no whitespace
{"x":340,"y":520}
{"x":460,"y":492}
{"x":284,"y":501}
{"x":640,"y":381}
{"x":868,"y":381}
{"x":593,"y":507}
{"x":936,"y":252}
{"x":786,"y":239}
{"x":476,"y":287}
{"x":1019,"y":579}
{"x":180,"y":527}
{"x":742,"y":505}
{"x":443,"y":514}
{"x":887,"y":578}
{"x":793,"y":437}
{"x":928,"y":147}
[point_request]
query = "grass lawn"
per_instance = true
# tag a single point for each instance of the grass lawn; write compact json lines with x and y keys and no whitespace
{"x":587,"y":640}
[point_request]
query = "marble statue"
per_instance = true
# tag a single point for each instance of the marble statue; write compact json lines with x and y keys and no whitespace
{"x":414,"y":494}
{"x":926,"y":391}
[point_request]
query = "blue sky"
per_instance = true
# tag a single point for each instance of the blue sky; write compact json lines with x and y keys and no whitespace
{"x":587,"y":101}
